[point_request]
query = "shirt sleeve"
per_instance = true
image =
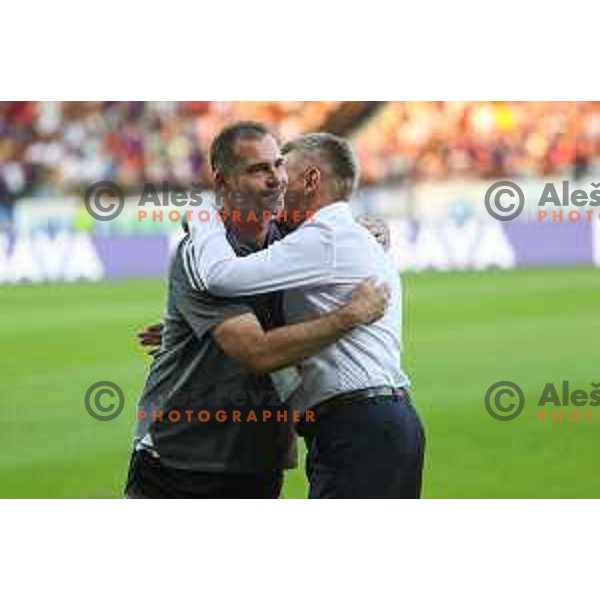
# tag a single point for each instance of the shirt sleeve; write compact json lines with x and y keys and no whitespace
{"x":204,"y":312}
{"x":200,"y":309}
{"x":304,"y":258}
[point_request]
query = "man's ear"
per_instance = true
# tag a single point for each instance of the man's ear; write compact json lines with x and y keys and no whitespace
{"x":221,"y":189}
{"x":219,"y":178}
{"x":313,"y":179}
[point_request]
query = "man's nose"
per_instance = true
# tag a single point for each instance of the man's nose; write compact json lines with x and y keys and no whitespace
{"x":274,"y":180}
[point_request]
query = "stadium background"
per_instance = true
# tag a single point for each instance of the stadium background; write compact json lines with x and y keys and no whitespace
{"x":484,"y":301}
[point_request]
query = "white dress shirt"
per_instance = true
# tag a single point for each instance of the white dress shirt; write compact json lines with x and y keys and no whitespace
{"x":318,"y":266}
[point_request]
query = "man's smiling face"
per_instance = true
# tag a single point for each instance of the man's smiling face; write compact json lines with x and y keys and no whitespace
{"x":259,"y":176}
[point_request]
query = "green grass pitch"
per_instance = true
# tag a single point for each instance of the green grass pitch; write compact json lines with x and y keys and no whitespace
{"x":463,"y":332}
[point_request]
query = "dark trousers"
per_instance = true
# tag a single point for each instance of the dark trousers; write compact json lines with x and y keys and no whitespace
{"x":366,"y":449}
{"x":147,"y":478}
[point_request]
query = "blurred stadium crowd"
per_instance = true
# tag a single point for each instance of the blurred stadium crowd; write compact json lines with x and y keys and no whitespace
{"x":437,"y":140}
{"x":57,"y":148}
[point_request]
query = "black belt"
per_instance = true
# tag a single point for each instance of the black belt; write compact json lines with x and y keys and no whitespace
{"x":364,"y":396}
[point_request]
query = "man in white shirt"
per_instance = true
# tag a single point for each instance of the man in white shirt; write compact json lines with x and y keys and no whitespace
{"x":367,"y":440}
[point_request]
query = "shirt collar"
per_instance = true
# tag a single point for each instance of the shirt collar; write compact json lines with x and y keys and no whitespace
{"x":340,"y":207}
{"x":243,"y":248}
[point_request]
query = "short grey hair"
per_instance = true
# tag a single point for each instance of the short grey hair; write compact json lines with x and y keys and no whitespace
{"x":336,"y":153}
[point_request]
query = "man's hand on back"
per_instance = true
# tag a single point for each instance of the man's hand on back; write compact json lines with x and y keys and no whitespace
{"x":151,"y":337}
{"x":369,"y":303}
{"x":378,"y":228}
